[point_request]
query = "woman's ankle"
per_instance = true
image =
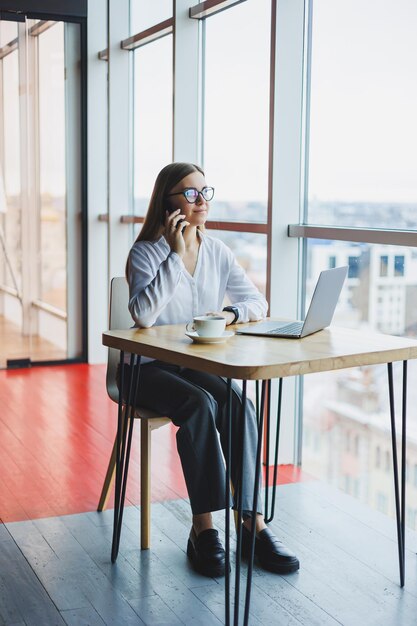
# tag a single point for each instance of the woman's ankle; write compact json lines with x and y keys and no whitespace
{"x":202,"y":522}
{"x":260,"y":522}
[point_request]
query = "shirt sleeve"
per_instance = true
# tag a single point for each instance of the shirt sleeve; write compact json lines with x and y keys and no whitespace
{"x":152,"y":283}
{"x":243,"y":294}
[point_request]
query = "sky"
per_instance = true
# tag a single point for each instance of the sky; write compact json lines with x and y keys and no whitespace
{"x":363,"y":101}
{"x":363,"y":127}
{"x":237,"y":101}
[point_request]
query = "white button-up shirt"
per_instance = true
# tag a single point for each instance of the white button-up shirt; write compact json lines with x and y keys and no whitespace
{"x":163,"y":292}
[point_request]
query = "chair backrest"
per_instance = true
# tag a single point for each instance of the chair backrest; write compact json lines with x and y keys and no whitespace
{"x":119,"y":319}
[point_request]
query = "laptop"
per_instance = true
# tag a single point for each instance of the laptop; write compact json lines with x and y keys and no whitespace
{"x":319,"y":314}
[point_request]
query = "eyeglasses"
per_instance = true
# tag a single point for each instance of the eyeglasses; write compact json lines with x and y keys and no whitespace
{"x":191,"y":194}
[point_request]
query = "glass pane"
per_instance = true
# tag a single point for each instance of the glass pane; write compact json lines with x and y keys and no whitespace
{"x":363,"y":127}
{"x":346,"y":431}
{"x":250,"y":250}
{"x":53,"y":244}
{"x":8,"y":32}
{"x":236,"y":110}
{"x":144,"y":14}
{"x":10,"y":199}
{"x":40,"y":226}
{"x":152,"y":117}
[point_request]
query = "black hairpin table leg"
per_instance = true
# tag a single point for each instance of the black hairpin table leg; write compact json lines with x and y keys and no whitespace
{"x":399,"y":497}
{"x":239,"y":504}
{"x":226,"y":496}
{"x":255,"y":506}
{"x":269,"y":516}
{"x":257,"y":399}
{"x":124,"y":442}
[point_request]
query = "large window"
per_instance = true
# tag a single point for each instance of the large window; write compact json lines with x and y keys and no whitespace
{"x":362,"y":165}
{"x":236,"y":110}
{"x":52,"y":174}
{"x":10,"y":199}
{"x":152,"y":117}
{"x":40,"y":191}
{"x":379,"y":296}
{"x":363,"y":127}
{"x":236,"y":126}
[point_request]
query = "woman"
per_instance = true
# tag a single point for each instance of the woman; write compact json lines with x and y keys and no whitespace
{"x":175,"y":272}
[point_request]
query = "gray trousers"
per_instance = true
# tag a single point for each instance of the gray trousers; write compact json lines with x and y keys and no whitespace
{"x":196,"y":403}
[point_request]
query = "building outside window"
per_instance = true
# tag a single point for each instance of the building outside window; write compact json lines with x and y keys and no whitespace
{"x":383,"y":267}
{"x":399,"y":265}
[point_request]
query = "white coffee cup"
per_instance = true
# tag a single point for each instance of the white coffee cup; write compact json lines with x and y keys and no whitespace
{"x":207,"y":325}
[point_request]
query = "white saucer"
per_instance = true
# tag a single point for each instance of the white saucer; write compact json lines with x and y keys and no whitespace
{"x":198,"y":339}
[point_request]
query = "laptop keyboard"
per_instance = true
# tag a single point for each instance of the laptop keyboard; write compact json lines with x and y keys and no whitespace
{"x":289,"y":329}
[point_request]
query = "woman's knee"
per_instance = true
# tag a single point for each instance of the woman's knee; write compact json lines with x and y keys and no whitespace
{"x":199,"y":405}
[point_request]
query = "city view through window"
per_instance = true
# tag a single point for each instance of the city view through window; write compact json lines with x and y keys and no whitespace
{"x":362,"y":166}
{"x":346,"y":422}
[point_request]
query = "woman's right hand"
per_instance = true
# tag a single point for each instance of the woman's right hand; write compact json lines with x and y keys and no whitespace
{"x":173,"y":231}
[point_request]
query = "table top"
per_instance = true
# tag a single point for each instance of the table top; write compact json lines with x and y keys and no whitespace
{"x":261,"y":358}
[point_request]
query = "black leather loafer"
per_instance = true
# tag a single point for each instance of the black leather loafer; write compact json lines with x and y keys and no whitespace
{"x":206,"y":553}
{"x":271,"y":553}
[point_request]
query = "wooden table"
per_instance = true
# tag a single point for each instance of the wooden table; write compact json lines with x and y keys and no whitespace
{"x":262,"y":359}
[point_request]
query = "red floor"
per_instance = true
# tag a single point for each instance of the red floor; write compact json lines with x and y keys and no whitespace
{"x":57,"y":428}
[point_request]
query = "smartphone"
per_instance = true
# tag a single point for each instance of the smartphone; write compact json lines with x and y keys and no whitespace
{"x":170,"y":210}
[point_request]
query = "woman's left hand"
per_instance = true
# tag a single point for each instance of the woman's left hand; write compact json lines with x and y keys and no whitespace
{"x":230,"y":317}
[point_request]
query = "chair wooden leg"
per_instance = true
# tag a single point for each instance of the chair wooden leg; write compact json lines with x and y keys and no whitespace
{"x":109,"y":478}
{"x":146,"y":427}
{"x":145,"y":483}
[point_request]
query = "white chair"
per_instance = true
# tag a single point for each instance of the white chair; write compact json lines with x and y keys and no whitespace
{"x":119,"y":318}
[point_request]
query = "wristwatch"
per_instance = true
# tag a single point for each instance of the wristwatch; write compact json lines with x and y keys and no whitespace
{"x":234,"y":310}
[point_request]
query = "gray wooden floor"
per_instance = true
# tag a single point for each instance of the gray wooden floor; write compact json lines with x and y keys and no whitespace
{"x":58,"y":570}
